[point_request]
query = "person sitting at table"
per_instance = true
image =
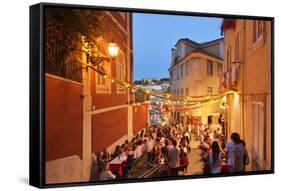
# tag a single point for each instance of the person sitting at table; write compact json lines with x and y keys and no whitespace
{"x":123,"y":148}
{"x":137,"y":137}
{"x":138,"y":149}
{"x":105,"y":155}
{"x":106,"y":174}
{"x":117,"y":151}
{"x":126,"y":143}
{"x":142,"y":134}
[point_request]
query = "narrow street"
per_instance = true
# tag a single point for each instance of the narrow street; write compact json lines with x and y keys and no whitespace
{"x":196,"y":166}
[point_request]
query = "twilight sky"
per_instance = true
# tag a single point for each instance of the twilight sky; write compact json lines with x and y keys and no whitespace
{"x":154,"y":35}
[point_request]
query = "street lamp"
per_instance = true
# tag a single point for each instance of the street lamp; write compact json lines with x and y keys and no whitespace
{"x":113,"y":50}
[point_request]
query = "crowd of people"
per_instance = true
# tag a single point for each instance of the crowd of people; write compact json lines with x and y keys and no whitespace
{"x":219,"y":155}
{"x":168,"y":147}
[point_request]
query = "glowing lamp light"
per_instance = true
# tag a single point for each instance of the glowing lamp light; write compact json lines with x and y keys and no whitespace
{"x":113,"y":49}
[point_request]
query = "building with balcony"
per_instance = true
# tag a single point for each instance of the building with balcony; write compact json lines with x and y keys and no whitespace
{"x":195,"y":71}
{"x":247,"y":71}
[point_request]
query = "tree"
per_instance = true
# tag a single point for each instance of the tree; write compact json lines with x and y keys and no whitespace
{"x":64,"y":29}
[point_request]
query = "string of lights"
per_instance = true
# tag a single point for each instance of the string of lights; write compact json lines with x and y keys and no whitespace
{"x":169,"y":98}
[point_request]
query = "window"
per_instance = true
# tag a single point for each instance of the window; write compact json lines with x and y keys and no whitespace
{"x":219,"y":69}
{"x":178,"y":92}
{"x":258,"y":30}
{"x":178,"y":75}
{"x":186,"y":91}
{"x":171,"y":76}
{"x":120,"y":71}
{"x":181,"y":91}
{"x":210,"y":90}
{"x":259,"y":136}
{"x":186,"y":68}
{"x":228,"y":59}
{"x":103,"y":85}
{"x":182,"y":70}
{"x":209,"y":68}
{"x":101,"y":79}
{"x":237,"y":47}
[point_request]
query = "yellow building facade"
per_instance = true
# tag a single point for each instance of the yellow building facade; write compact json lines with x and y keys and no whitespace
{"x":195,"y":71}
{"x":247,"y":71}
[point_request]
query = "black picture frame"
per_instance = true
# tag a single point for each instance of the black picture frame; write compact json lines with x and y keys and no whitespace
{"x":37,"y":94}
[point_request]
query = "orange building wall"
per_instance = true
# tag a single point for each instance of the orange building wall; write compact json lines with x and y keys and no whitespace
{"x":139,"y":118}
{"x":108,"y":127}
{"x":104,"y":100}
{"x":63,"y":119}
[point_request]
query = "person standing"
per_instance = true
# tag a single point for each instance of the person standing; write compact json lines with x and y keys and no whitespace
{"x":214,"y":158}
{"x":173,"y":158}
{"x":246,"y":159}
{"x":229,"y":148}
{"x":238,"y":153}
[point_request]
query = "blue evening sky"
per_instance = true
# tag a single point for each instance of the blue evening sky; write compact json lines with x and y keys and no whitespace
{"x":155,"y":35}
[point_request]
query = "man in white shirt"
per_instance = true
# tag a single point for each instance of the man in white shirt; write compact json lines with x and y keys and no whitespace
{"x":229,"y":155}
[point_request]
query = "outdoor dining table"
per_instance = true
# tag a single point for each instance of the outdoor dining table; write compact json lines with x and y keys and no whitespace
{"x":117,"y":163}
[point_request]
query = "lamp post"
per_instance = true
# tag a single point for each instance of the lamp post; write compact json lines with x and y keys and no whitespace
{"x":113,"y":50}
